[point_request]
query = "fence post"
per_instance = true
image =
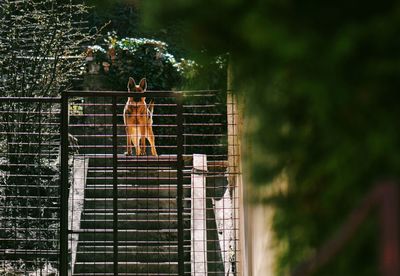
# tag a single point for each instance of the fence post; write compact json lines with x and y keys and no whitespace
{"x":64,"y":186}
{"x":235,"y":122}
{"x":198,"y":225}
{"x":115,"y":185}
{"x":179,"y":174}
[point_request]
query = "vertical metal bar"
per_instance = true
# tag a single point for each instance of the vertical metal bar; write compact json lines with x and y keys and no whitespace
{"x":115,"y":186}
{"x":180,"y":166}
{"x":64,"y":187}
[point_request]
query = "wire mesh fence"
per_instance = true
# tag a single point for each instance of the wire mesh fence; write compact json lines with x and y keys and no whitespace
{"x":174,"y":213}
{"x":29,"y":185}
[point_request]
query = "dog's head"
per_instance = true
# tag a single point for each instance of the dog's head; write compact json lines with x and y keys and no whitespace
{"x":139,"y":88}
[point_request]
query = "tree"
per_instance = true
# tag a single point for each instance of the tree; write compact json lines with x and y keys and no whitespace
{"x":320,"y":82}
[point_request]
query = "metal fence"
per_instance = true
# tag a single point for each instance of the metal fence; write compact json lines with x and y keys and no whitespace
{"x":29,"y":185}
{"x":172,"y":214}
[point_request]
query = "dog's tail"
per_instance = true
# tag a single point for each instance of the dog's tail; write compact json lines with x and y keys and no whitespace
{"x":151,"y":109}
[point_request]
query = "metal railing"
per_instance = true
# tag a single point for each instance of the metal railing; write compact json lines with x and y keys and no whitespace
{"x":29,"y":185}
{"x":114,"y":214}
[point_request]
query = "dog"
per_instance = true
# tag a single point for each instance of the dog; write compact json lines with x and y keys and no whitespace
{"x":138,"y":120}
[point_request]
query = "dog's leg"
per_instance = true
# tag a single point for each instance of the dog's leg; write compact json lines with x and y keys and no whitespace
{"x":135,"y":140}
{"x":150,"y":137}
{"x":128,"y":141}
{"x":128,"y":133}
{"x":142,"y":140}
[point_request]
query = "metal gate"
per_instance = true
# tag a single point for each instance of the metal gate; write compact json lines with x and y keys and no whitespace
{"x":131,"y":219}
{"x":72,"y":203}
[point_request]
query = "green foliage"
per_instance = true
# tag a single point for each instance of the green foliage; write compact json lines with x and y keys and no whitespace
{"x":146,"y":58}
{"x":124,"y":17}
{"x":141,"y":57}
{"x":320,"y":82}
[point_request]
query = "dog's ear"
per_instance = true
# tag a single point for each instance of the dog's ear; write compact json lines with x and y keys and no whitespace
{"x":131,"y":84}
{"x":143,"y":84}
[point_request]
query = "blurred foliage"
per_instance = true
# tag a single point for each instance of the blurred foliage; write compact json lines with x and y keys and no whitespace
{"x":320,"y":83}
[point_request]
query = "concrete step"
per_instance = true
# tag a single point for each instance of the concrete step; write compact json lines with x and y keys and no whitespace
{"x":140,"y":236}
{"x":148,"y":254}
{"x":135,"y":211}
{"x":121,"y":172}
{"x":147,"y":216}
{"x":131,"y":203}
{"x":172,"y":215}
{"x":138,"y":221}
{"x":90,"y":180}
{"x":160,"y":268}
{"x":129,"y":191}
{"x":102,"y":243}
{"x":129,"y":224}
{"x":106,"y":160}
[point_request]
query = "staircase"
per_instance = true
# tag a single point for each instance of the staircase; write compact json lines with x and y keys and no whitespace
{"x":147,"y":217}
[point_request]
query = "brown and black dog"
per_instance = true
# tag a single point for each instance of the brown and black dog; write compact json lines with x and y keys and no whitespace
{"x":138,"y":120}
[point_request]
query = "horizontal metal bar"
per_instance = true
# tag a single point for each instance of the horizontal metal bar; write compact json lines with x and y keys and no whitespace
{"x":119,"y":115}
{"x":52,"y":112}
{"x":33,"y":229}
{"x":31,"y":99}
{"x":30,"y":133}
{"x":119,"y":147}
{"x":161,"y":92}
{"x":72,"y":102}
{"x":34,"y":207}
{"x":75,"y":93}
{"x":44,"y":144}
{"x":27,"y":218}
{"x":33,"y":186}
{"x":119,"y":125}
{"x":29,"y":240}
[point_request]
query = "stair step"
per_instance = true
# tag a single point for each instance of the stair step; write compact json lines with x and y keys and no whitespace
{"x":159,"y":191}
{"x":135,"y":161}
{"x":103,"y":243}
{"x":130,"y":168}
{"x":131,"y":180}
{"x":151,"y":172}
{"x":133,"y":221}
{"x":133,"y":235}
{"x":147,"y":216}
{"x":132,"y":224}
{"x":126,"y":186}
{"x":129,"y":203}
{"x":162,"y":254}
{"x":126,"y":274}
{"x":159,"y":268}
{"x":134,"y":211}
{"x":132,"y":216}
